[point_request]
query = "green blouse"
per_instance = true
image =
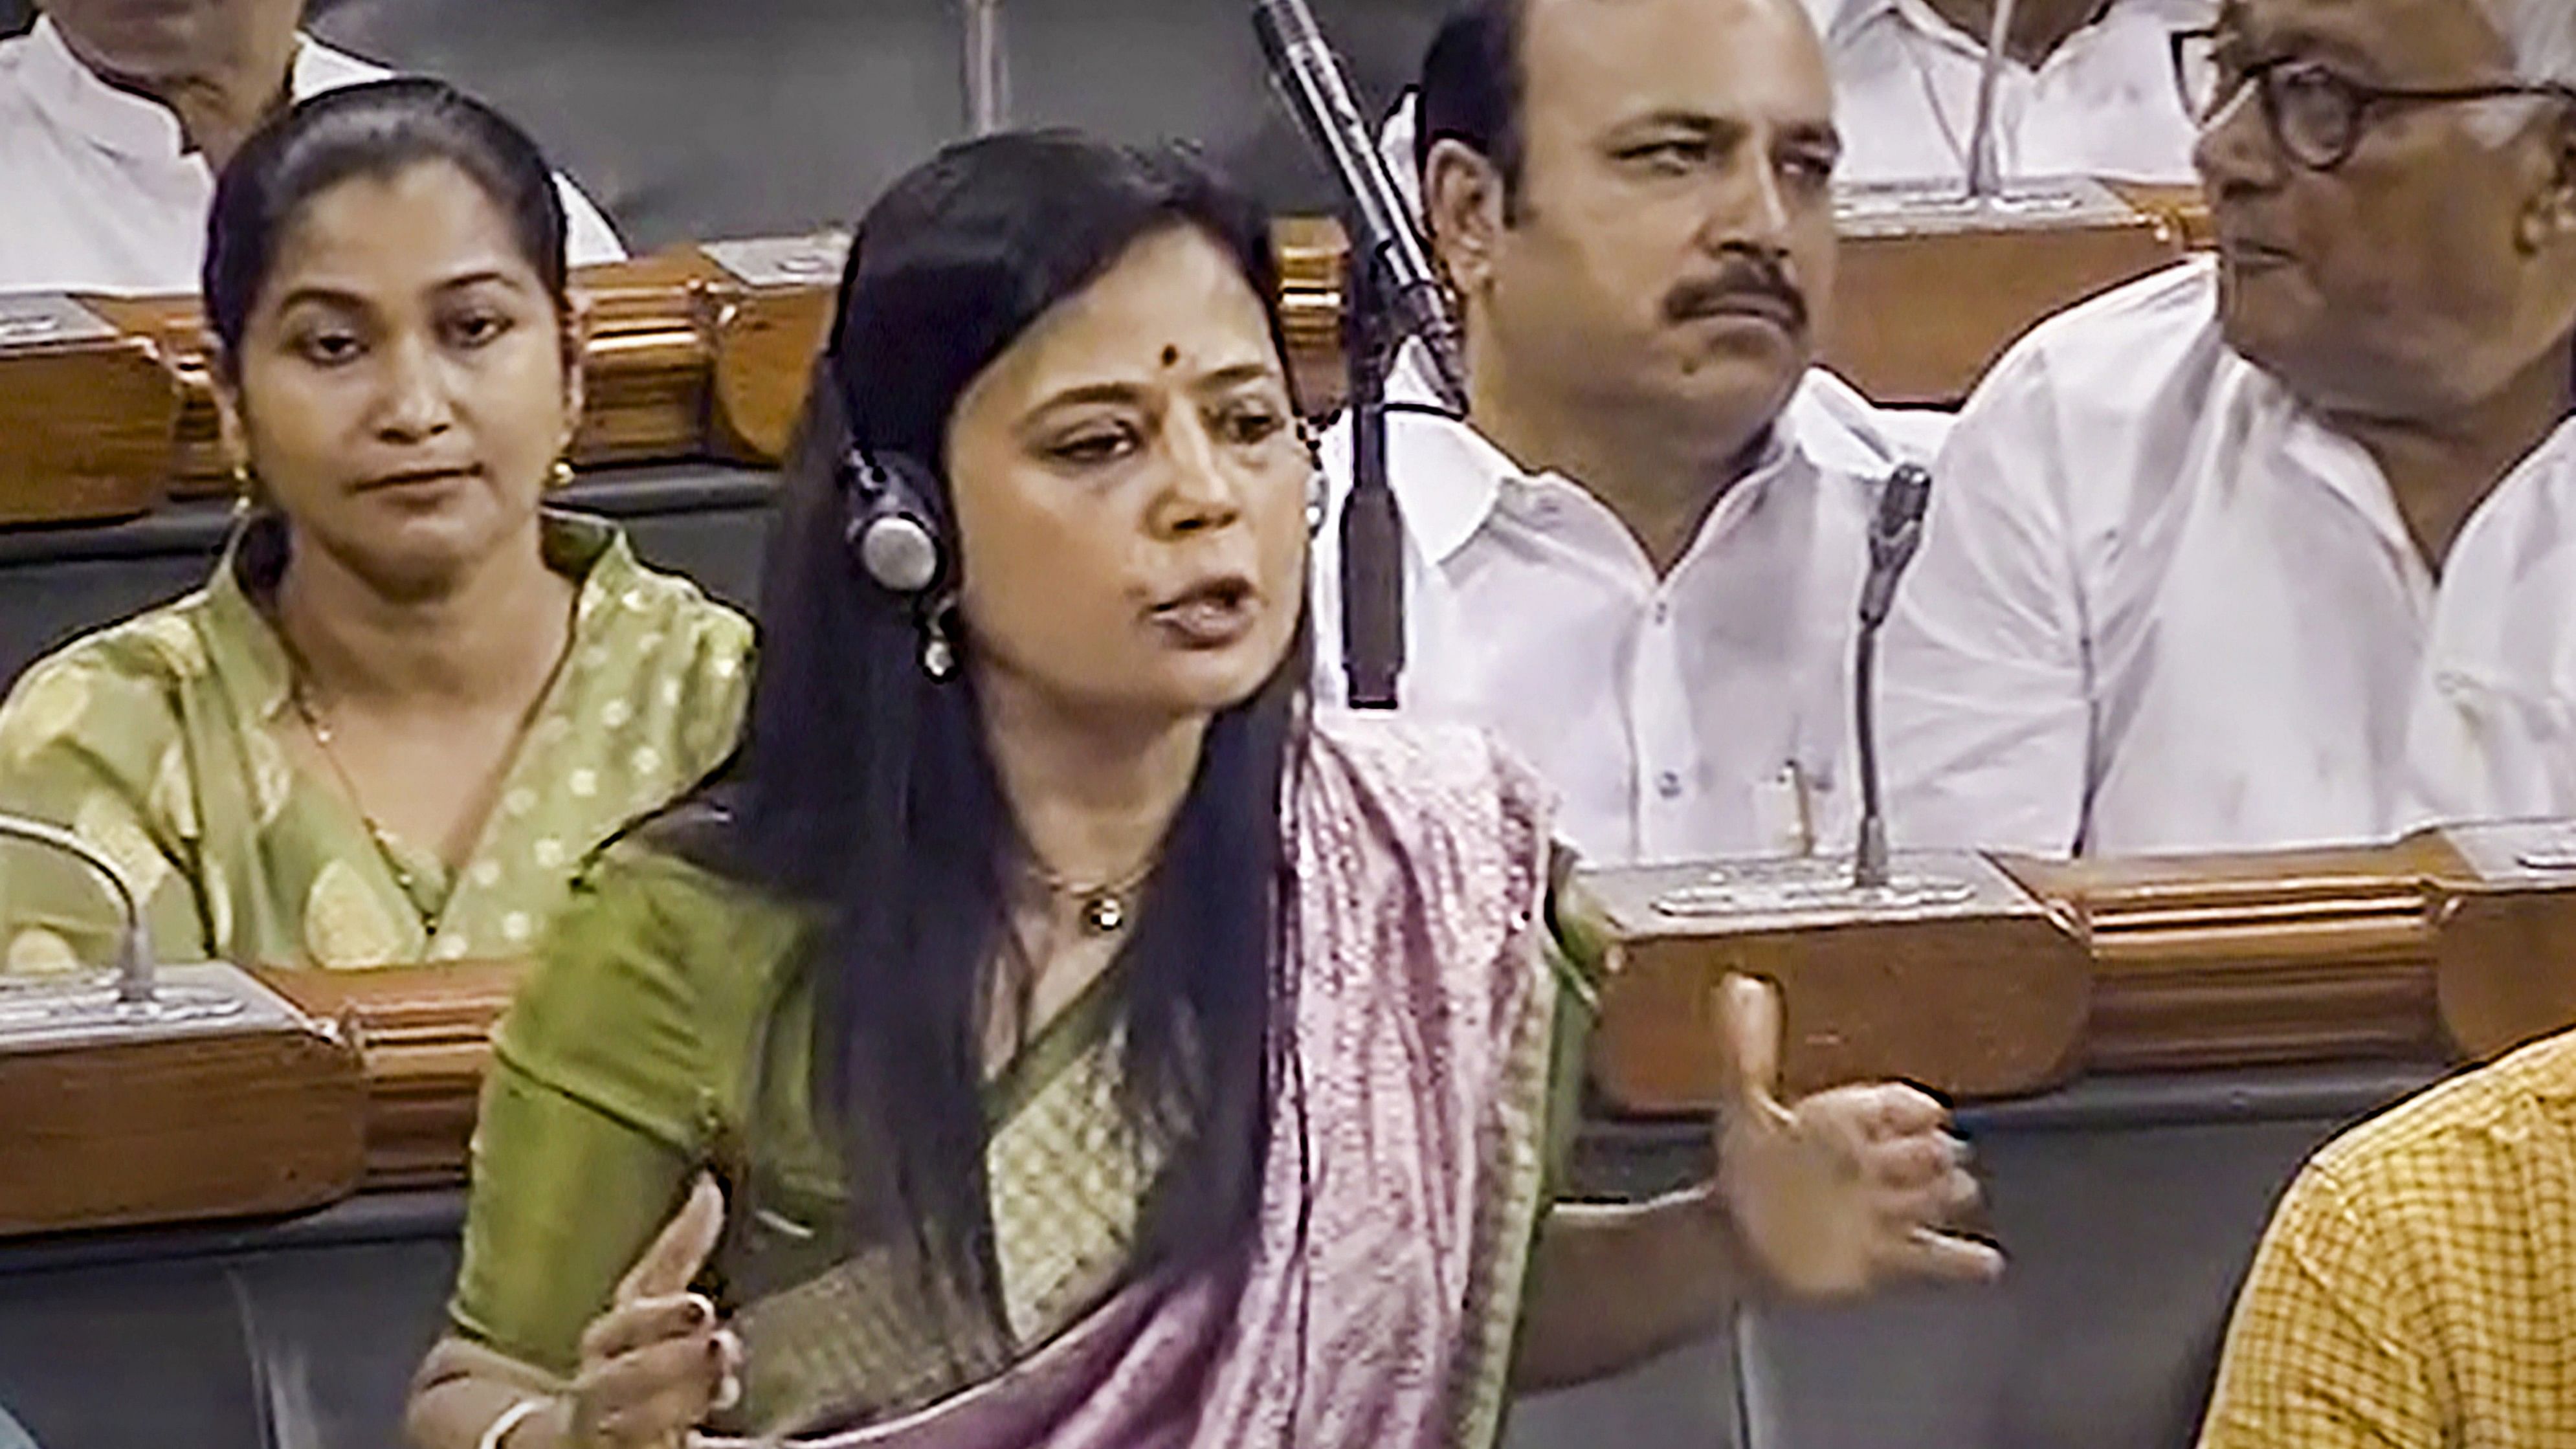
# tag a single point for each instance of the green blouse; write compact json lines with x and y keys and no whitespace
{"x":160,"y":740}
{"x":667,"y":1031}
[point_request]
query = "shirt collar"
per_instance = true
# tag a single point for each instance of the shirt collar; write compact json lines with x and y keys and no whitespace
{"x":1451,"y":477}
{"x":123,"y":122}
{"x":245,"y":638}
{"x":1849,"y":15}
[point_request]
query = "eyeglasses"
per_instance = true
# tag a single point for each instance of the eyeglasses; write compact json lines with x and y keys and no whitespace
{"x":2317,"y":114}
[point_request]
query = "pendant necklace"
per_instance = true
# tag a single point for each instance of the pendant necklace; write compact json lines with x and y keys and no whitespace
{"x":1104,"y":909}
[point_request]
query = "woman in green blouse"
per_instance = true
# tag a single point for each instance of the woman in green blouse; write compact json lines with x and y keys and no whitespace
{"x":1095,"y":1047}
{"x":411,"y":700}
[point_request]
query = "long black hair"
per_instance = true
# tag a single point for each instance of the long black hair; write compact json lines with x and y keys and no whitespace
{"x":866,"y":788}
{"x":379,"y":129}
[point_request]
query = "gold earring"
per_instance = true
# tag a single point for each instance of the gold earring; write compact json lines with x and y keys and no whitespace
{"x":561,"y":475}
{"x":245,"y":487}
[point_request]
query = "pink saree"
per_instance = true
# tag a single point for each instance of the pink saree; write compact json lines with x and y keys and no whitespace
{"x":1376,"y":1306}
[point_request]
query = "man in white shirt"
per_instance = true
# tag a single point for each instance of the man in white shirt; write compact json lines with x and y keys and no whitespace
{"x":2280,"y":548}
{"x":2087,"y":87}
{"x":1640,"y":562}
{"x":114,"y":115}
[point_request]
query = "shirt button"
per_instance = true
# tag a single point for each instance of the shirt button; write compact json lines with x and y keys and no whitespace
{"x":1669,"y":785}
{"x":2452,"y":683}
{"x":1663,"y":611}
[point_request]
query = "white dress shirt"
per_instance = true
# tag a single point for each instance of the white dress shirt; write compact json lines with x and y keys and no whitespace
{"x":2161,"y":605}
{"x":2103,"y":104}
{"x":99,"y":192}
{"x":1696,"y":715}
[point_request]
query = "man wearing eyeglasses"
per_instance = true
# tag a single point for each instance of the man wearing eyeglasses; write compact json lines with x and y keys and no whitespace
{"x":2279,"y":547}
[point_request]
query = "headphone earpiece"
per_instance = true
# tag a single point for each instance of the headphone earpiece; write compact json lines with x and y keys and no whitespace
{"x":892,"y":529}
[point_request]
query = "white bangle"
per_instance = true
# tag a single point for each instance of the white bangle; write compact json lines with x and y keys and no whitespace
{"x":511,"y":1418}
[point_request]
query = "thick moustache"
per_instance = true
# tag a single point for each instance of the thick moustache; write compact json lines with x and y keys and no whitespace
{"x":1738,"y":297}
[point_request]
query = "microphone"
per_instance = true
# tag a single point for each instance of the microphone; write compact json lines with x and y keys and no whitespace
{"x":133,"y":939}
{"x":1310,"y":77}
{"x":139,"y":1000}
{"x":1895,"y":532}
{"x":1985,"y":168}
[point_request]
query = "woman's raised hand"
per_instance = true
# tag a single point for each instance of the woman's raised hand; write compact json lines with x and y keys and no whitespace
{"x":657,"y":1362}
{"x":1843,"y":1191}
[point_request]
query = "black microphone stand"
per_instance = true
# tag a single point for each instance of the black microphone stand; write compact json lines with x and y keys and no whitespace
{"x":1391,"y":291}
{"x":1895,"y":532}
{"x":1372,"y":525}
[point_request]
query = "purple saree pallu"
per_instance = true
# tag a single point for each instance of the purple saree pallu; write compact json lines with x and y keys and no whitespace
{"x":1376,"y":1304}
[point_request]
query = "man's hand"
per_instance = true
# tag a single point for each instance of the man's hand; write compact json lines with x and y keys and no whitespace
{"x":1849,"y":1188}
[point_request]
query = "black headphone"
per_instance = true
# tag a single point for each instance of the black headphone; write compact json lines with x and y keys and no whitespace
{"x":890,"y":522}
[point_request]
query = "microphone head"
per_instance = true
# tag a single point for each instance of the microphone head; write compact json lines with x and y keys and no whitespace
{"x":899,"y":552}
{"x":1901,"y":503}
{"x":1280,"y":24}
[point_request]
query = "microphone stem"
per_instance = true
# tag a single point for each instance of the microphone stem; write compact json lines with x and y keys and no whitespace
{"x":133,"y":946}
{"x":1985,"y":168}
{"x":988,"y":84}
{"x":1869,"y":855}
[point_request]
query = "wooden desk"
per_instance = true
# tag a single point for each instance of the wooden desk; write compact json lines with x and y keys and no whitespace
{"x":2444,"y":946}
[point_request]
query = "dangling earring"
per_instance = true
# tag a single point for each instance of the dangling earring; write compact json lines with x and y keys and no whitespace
{"x":245,"y":488}
{"x":938,"y":642}
{"x":1318,"y":491}
{"x":560,"y":476}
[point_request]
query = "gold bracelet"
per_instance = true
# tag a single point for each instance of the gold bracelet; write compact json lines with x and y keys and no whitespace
{"x":510,"y":1418}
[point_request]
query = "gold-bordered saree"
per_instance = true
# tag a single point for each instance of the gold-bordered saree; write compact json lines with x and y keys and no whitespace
{"x":1375,"y":1303}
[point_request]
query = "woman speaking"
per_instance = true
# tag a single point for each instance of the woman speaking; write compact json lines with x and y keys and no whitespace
{"x":1052,"y":1033}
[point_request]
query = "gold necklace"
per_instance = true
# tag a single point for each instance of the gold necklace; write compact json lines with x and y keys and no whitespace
{"x":1103,"y":909}
{"x":300,"y":700}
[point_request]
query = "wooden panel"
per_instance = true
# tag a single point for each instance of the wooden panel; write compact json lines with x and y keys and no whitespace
{"x":1313,"y":258}
{"x":215,"y":1124}
{"x":2183,"y":209}
{"x":767,"y":341}
{"x":424,"y":1037}
{"x":1983,"y":997}
{"x":1919,"y":318}
{"x":1982,"y":1008}
{"x":2505,"y":967}
{"x":2247,"y":959}
{"x":85,"y":423}
{"x":174,"y":328}
{"x":648,"y":360}
{"x":2215,"y":961}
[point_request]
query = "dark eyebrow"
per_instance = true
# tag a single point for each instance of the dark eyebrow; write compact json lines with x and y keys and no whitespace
{"x":351,"y":301}
{"x":1674,"y":120}
{"x":1095,"y":392}
{"x":321,"y":297}
{"x":1820,"y":134}
{"x":1238,"y":375}
{"x":1235,"y":375}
